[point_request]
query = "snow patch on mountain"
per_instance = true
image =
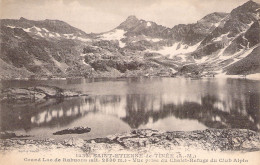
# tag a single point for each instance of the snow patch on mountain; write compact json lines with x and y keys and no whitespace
{"x":176,"y":49}
{"x":243,"y":36}
{"x":68,"y":35}
{"x":51,"y":35}
{"x":38,"y":29}
{"x":39,"y":34}
{"x":221,"y":38}
{"x":45,"y":30}
{"x":217,"y":24}
{"x":173,"y":70}
{"x":11,"y":26}
{"x":152,"y":39}
{"x":37,"y":62}
{"x":148,"y":24}
{"x":121,"y":44}
{"x":27,"y":29}
{"x":17,"y":37}
{"x":72,"y":36}
{"x":145,"y":38}
{"x":57,"y":34}
{"x":83,"y":39}
{"x":83,"y":61}
{"x":155,"y":39}
{"x":251,"y":23}
{"x":202,"y":60}
{"x":117,"y":34}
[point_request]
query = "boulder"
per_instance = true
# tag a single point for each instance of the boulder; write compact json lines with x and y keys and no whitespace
{"x":74,"y":142}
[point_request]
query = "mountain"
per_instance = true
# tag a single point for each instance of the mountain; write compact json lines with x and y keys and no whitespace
{"x":235,"y":38}
{"x":39,"y":47}
{"x":135,"y":27}
{"x":219,"y":43}
{"x":54,"y":29}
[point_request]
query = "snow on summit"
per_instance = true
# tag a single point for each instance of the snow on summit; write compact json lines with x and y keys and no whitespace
{"x":45,"y":33}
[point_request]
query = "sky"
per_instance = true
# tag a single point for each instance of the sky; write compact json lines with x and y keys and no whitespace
{"x":103,"y":15}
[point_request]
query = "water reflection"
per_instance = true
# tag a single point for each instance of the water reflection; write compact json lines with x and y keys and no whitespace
{"x":168,"y":104}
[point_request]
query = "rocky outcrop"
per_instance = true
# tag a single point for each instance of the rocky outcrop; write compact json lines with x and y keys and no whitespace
{"x":9,"y":135}
{"x":75,"y":130}
{"x":151,"y":140}
{"x":35,"y":93}
{"x":210,"y":139}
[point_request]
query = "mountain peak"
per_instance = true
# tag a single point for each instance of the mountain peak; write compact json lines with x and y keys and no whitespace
{"x":249,"y":5}
{"x":250,"y":2}
{"x":132,"y":18}
{"x":130,"y":22}
{"x":22,"y":19}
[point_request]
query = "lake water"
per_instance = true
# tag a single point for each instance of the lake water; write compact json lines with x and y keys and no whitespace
{"x":119,"y":105}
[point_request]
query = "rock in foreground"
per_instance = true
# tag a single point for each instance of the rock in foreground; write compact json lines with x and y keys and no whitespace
{"x":209,"y":139}
{"x":153,"y":140}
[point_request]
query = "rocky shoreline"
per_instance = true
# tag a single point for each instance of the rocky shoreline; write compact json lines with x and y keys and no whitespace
{"x":255,"y":76}
{"x":147,"y":140}
{"x":35,"y":93}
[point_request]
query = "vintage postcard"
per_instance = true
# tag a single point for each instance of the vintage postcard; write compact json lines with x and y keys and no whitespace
{"x":130,"y":82}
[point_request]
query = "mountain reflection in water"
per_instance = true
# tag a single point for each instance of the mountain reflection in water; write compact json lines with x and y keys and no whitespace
{"x":168,"y":104}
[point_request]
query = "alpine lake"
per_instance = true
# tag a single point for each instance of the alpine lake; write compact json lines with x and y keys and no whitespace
{"x":117,"y":105}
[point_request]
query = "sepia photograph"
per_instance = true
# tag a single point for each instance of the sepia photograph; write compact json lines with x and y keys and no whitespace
{"x":135,"y":82}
